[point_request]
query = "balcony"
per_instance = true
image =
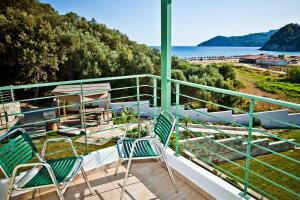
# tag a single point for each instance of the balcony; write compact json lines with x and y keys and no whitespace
{"x":217,"y":151}
{"x":147,"y":181}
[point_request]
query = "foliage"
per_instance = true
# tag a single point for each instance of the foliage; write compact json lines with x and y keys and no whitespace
{"x":123,"y":117}
{"x":238,"y":84}
{"x":28,"y":49}
{"x":186,"y":133}
{"x":277,"y":87}
{"x":280,"y":87}
{"x":178,"y":74}
{"x":38,"y":45}
{"x":256,"y":122}
{"x":134,"y":133}
{"x":215,"y":75}
{"x":290,"y":134}
{"x":269,"y":173}
{"x":173,"y":144}
{"x":226,"y":71}
{"x":293,"y":74}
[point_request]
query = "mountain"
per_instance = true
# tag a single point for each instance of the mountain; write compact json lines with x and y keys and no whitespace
{"x":250,"y":40}
{"x":286,"y":38}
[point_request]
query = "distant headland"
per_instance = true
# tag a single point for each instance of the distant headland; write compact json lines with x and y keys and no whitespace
{"x":250,"y":40}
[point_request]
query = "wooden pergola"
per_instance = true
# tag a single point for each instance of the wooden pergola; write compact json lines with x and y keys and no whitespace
{"x":82,"y":94}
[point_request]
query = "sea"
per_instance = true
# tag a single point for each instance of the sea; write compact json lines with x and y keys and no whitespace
{"x":194,"y":51}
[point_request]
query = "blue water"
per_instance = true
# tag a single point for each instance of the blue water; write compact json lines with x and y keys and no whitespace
{"x":192,"y":51}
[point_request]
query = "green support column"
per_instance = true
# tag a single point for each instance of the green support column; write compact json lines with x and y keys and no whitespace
{"x":155,"y":100}
{"x":177,"y":118}
{"x":83,"y":117}
{"x":138,"y":105}
{"x":165,"y":54}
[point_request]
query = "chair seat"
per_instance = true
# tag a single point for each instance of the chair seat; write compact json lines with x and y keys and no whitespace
{"x":61,"y":167}
{"x":143,"y":148}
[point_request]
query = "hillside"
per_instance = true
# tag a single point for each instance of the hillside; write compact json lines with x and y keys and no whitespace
{"x":286,"y":39}
{"x":250,"y":40}
{"x":39,"y":45}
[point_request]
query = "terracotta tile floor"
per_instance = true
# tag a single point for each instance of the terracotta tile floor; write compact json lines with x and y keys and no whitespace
{"x":148,"y":181}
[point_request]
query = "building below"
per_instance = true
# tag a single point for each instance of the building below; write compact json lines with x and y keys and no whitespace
{"x":264,"y":60}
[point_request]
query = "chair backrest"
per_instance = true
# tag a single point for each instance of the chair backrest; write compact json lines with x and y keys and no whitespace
{"x":18,"y":150}
{"x":164,"y":126}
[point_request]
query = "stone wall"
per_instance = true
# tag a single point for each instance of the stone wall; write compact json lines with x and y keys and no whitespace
{"x":7,"y":111}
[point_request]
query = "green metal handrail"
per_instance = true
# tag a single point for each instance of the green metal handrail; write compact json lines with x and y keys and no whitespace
{"x":250,"y":128}
{"x":140,"y":92}
{"x":233,"y":93}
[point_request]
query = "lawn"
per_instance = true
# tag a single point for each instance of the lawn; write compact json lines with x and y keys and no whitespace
{"x":267,"y":84}
{"x":273,"y":175}
{"x":291,"y":134}
{"x":62,"y":149}
{"x":281,"y":87}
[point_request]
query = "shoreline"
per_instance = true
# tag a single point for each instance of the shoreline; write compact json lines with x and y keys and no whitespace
{"x":236,"y":63}
{"x":204,"y":51}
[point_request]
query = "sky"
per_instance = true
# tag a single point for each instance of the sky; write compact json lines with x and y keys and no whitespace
{"x":193,"y":21}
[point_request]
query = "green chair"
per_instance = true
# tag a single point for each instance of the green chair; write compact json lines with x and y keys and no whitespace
{"x":149,"y":147}
{"x":18,"y":153}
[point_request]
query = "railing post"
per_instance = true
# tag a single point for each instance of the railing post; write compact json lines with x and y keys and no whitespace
{"x":248,"y":150}
{"x":4,"y":112}
{"x":83,"y":119}
{"x":12,"y":94}
{"x":154,"y":100}
{"x":1,"y":97}
{"x":138,"y":104}
{"x":177,"y":119}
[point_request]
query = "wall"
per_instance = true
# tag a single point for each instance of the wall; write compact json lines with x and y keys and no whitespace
{"x":222,"y":116}
{"x":101,"y":103}
{"x":10,"y":108}
{"x":7,"y":117}
{"x":271,"y":62}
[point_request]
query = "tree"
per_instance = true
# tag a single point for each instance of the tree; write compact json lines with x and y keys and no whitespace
{"x":28,"y":49}
{"x":226,"y":71}
{"x":293,"y":74}
{"x":177,"y":74}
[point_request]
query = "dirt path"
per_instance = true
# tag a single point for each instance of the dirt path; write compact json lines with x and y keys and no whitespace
{"x":250,"y":87}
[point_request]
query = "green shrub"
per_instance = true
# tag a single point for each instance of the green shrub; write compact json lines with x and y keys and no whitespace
{"x":127,"y":115}
{"x":134,"y":133}
{"x":256,"y":122}
{"x":293,"y":74}
{"x":238,"y":84}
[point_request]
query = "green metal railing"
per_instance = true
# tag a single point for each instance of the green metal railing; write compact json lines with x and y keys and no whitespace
{"x":253,"y":173}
